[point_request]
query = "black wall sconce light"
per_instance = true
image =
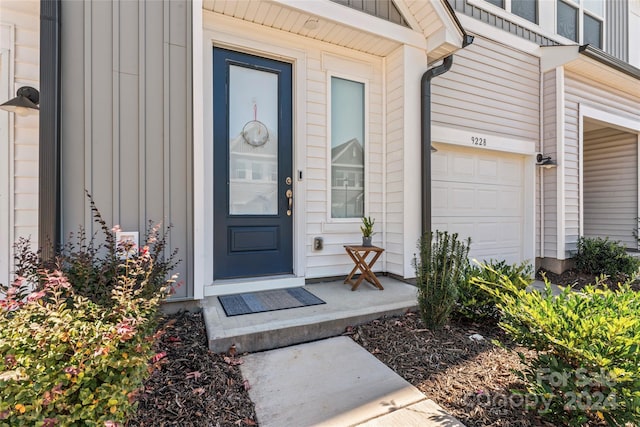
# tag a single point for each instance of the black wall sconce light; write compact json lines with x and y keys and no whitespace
{"x":545,"y":161}
{"x":26,"y":101}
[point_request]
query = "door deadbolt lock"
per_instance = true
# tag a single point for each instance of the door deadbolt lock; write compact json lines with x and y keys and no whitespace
{"x":288,"y":181}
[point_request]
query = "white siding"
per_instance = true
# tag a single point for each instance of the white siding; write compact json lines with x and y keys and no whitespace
{"x":490,"y":88}
{"x":20,"y":26}
{"x":549,"y":147}
{"x":579,"y":91}
{"x":611,"y":185}
{"x":322,"y":61}
{"x":395,"y":162}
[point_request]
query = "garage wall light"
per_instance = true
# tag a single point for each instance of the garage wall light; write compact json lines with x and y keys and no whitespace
{"x":545,"y":161}
{"x":25,"y":103}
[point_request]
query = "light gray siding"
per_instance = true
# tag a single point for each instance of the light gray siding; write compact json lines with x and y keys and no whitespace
{"x":491,"y":88}
{"x":384,"y":9}
{"x":580,"y":91}
{"x":617,"y":29}
{"x":126,"y":127}
{"x":611,"y":185}
{"x":465,"y":8}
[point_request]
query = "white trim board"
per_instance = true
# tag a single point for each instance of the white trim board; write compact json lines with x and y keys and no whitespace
{"x":481,"y":140}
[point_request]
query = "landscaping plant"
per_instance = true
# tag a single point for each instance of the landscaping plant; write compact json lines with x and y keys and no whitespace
{"x":441,"y":268}
{"x":602,"y":256}
{"x":587,"y":363}
{"x":76,"y":333}
{"x":476,"y":304}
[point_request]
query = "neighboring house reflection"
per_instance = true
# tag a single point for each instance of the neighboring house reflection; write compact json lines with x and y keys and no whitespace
{"x":253,"y":177}
{"x":347,"y":180}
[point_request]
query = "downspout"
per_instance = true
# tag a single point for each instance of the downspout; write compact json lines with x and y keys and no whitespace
{"x":425,"y":132}
{"x":49,"y":208}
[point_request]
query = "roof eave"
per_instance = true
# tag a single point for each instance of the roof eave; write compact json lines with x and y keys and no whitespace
{"x":610,"y":61}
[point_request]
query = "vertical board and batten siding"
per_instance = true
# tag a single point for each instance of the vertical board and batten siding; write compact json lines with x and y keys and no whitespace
{"x":332,"y":260}
{"x":549,"y":188}
{"x":617,"y":29}
{"x":490,"y":88}
{"x":20,"y":21}
{"x":577,"y":91}
{"x":126,"y":122}
{"x":395,"y":163}
{"x":610,"y":178}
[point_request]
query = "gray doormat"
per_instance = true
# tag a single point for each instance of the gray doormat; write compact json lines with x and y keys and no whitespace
{"x":258,"y":302}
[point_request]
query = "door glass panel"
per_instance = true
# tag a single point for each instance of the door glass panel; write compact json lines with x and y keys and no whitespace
{"x":347,"y":148}
{"x":253,"y":141}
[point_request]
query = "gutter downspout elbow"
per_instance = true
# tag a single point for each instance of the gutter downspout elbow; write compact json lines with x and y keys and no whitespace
{"x":425,"y":135}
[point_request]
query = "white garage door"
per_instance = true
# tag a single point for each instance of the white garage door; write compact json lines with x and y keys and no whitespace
{"x":480,"y":194}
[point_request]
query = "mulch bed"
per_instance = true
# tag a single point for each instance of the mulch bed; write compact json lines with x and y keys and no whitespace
{"x":578,"y":280}
{"x":192,"y":386}
{"x":469,"y":379}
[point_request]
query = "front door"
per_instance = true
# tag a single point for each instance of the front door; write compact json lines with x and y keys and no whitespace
{"x":253,"y":191}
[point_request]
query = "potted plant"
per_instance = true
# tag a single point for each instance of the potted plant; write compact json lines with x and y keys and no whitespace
{"x":367,"y":230}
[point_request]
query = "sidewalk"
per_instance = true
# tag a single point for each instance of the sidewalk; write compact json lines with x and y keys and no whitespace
{"x":334,"y":382}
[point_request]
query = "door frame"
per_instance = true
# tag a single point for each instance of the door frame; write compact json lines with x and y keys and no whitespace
{"x":230,"y":34}
{"x":276,"y":228}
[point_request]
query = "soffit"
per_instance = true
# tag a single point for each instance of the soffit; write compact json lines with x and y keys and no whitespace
{"x":598,"y":72}
{"x":343,"y":26}
{"x":598,"y":68}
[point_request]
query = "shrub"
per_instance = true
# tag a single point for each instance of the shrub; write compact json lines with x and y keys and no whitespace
{"x":440,"y":270}
{"x":602,"y":256}
{"x":476,"y":304}
{"x":587,"y":366}
{"x":67,"y":359}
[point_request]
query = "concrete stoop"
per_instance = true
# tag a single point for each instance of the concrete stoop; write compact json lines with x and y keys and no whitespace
{"x":343,"y":308}
{"x":334,"y":382}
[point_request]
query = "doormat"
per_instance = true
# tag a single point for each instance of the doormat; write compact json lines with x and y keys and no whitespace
{"x":258,"y":302}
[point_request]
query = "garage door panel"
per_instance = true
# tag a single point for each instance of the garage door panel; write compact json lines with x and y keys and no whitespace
{"x":480,"y":194}
{"x":460,"y":199}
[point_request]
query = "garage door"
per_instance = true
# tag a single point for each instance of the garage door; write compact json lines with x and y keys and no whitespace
{"x":480,"y":194}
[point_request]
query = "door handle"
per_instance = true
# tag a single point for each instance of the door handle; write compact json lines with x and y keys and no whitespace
{"x":289,"y":195}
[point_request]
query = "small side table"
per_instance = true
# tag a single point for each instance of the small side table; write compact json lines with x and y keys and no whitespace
{"x":359,"y":256}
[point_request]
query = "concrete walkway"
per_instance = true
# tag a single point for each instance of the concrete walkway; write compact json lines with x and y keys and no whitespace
{"x":334,"y":382}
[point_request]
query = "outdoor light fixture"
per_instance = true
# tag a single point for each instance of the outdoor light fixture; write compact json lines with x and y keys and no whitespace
{"x":26,"y":101}
{"x":545,"y":161}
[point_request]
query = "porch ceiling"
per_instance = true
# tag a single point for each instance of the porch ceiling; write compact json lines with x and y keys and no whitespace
{"x":343,"y":26}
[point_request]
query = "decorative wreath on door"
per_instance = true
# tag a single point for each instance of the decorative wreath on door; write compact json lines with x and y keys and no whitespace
{"x":254,"y":132}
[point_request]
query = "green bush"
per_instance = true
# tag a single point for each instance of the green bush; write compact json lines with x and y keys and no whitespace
{"x":440,"y":270}
{"x":474,"y":303}
{"x":602,"y":256}
{"x":587,"y":364}
{"x":69,"y":360}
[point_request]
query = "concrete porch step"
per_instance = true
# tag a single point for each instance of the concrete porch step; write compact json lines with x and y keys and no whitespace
{"x":274,"y":329}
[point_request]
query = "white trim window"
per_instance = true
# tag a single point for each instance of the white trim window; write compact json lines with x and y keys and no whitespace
{"x":581,"y":21}
{"x":527,"y":9}
{"x":348,"y":132}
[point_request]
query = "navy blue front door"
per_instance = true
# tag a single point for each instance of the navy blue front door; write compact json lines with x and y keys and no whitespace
{"x":253,"y":176}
